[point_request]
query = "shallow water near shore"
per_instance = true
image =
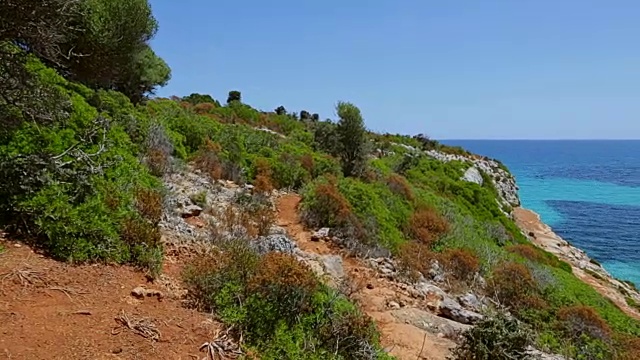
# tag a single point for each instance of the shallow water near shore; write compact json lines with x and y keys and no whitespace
{"x":587,"y":191}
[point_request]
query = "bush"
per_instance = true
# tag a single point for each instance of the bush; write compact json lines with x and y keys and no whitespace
{"x":208,"y":161}
{"x":426,"y":226}
{"x":462,"y":264}
{"x":415,"y":258}
{"x":263,"y":183}
{"x":513,"y":286}
{"x":399,"y":185}
{"x":279,"y":305}
{"x":495,"y":338}
{"x":324,"y":205}
{"x":149,"y":204}
{"x":582,"y":320}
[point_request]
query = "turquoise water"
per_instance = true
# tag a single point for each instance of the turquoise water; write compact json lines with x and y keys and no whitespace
{"x":587,"y":191}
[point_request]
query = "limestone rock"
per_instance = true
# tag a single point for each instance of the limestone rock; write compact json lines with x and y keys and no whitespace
{"x":275,"y":242}
{"x":473,"y":175}
{"x":140,"y":293}
{"x":191,"y":210}
{"x":320,"y":234}
{"x":470,"y":301}
{"x":451,"y":309}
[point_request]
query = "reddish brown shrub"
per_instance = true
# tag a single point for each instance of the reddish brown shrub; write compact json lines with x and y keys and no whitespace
{"x":263,"y":183}
{"x":149,"y":204}
{"x":400,"y":186}
{"x":581,"y":320}
{"x":513,"y":285}
{"x":426,"y":226}
{"x":283,"y":276}
{"x":204,"y":108}
{"x":630,"y":347}
{"x":208,"y":161}
{"x":327,"y":207}
{"x":185,"y":105}
{"x":415,"y":258}
{"x":528,"y":252}
{"x":158,"y":162}
{"x":462,"y":264}
{"x":263,"y":218}
{"x":307,"y":163}
{"x":140,"y":232}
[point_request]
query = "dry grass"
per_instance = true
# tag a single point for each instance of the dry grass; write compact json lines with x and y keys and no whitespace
{"x":149,"y":204}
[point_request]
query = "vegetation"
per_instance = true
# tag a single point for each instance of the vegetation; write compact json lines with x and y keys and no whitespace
{"x":279,"y":305}
{"x":83,"y":148}
{"x":498,"y":337}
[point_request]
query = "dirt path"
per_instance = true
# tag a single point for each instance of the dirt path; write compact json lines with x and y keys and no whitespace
{"x":546,"y":239}
{"x":403,"y":340}
{"x":51,"y":310}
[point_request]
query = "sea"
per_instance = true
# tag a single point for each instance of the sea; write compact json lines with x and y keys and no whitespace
{"x":588,"y":191}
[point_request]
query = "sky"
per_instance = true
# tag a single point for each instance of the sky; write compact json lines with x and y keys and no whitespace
{"x":543,"y":69}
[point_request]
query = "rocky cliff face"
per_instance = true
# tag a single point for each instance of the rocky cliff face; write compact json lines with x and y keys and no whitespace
{"x":502,"y":179}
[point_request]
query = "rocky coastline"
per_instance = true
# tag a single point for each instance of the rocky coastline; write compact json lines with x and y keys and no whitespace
{"x":585,"y":268}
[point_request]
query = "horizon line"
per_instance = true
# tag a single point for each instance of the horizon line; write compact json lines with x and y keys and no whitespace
{"x":517,"y":139}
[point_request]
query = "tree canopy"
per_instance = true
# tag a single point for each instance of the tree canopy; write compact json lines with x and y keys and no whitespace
{"x":99,"y":43}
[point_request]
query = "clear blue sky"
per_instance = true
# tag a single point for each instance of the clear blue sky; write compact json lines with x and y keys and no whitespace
{"x":543,"y":69}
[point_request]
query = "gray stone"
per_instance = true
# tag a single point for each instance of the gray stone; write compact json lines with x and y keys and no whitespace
{"x":393,"y":305}
{"x":539,"y":355}
{"x":473,"y":175}
{"x":275,"y":242}
{"x":425,"y":290}
{"x":451,"y":309}
{"x":429,"y":322}
{"x":320,"y":234}
{"x":333,"y":266}
{"x":470,"y":301}
{"x":191,"y":210}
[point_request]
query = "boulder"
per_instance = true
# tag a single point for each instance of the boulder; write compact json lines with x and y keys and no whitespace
{"x":320,"y":234}
{"x":191,"y":210}
{"x":276,"y":242}
{"x":473,"y":175}
{"x":451,"y":309}
{"x":333,"y":266}
{"x":470,"y":301}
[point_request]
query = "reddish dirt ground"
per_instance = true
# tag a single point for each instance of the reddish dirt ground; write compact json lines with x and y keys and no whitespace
{"x":51,"y":310}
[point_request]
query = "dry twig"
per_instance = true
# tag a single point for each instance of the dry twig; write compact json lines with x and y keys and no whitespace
{"x":143,"y":326}
{"x":222,"y":347}
{"x":26,"y":276}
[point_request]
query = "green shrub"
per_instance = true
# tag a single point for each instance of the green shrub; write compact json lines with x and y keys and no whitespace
{"x":280,"y":306}
{"x":497,"y":337}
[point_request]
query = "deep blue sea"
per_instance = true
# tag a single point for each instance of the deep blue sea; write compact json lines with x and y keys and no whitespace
{"x":587,"y":191}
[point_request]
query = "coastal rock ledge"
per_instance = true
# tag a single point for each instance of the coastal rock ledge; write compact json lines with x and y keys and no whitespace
{"x":585,"y":268}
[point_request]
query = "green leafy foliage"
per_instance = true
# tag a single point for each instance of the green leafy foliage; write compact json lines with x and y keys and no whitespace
{"x":497,"y":337}
{"x":352,"y":137}
{"x":100,"y":43}
{"x":281,"y":307}
{"x":71,"y":186}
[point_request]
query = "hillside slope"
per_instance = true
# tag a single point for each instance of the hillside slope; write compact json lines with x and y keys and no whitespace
{"x":100,"y":180}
